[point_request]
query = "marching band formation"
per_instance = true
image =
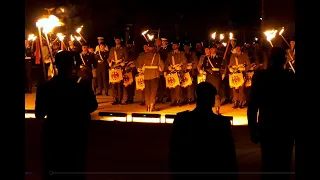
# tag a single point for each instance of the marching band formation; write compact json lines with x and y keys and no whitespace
{"x":166,"y":73}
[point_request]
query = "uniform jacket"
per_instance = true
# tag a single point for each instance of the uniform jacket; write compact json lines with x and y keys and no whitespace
{"x":243,"y":59}
{"x":192,"y":58}
{"x":145,"y":58}
{"x":104,"y":56}
{"x":216,"y":61}
{"x":179,"y":58}
{"x":122,"y":54}
{"x":88,"y":59}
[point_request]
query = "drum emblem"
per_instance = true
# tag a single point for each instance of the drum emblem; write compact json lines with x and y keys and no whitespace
{"x":235,"y":79}
{"x":184,"y":79}
{"x":115,"y":75}
{"x":126,"y":77}
{"x":141,"y":81}
{"x":171,"y":80}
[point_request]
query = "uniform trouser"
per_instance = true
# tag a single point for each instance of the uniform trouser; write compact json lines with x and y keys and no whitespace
{"x":175,"y":93}
{"x":194,"y":86}
{"x":276,"y":157}
{"x":238,"y":95}
{"x":130,"y":91}
{"x":117,"y":91}
{"x":226,"y":91}
{"x":102,"y":78}
{"x":215,"y":80}
{"x":151,"y":90}
{"x":187,"y":92}
{"x":161,"y":92}
{"x":247,"y":91}
{"x":143,"y":96}
{"x":28,"y":67}
{"x":94,"y":84}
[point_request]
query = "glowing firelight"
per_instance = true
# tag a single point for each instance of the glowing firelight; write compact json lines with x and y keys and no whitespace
{"x":61,"y":36}
{"x":71,"y":38}
{"x":221,"y":37}
{"x":213,"y":35}
{"x":32,"y":37}
{"x":230,"y":35}
{"x":150,"y":37}
{"x":48,"y":24}
{"x":79,"y":29}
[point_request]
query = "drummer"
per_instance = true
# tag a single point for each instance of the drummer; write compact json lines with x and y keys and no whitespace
{"x":176,"y":61}
{"x":239,"y":63}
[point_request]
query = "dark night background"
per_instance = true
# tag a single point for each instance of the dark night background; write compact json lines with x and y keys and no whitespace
{"x":195,"y":19}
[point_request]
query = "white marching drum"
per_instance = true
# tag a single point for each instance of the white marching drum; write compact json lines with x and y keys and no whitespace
{"x":127,"y":79}
{"x":186,"y":80}
{"x":140,"y":82}
{"x":115,"y":75}
{"x":249,"y":79}
{"x":172,"y":80}
{"x":236,"y":80}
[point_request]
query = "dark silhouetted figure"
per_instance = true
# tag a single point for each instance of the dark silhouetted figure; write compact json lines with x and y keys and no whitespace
{"x":273,"y":95}
{"x":201,"y":145}
{"x":67,"y":101}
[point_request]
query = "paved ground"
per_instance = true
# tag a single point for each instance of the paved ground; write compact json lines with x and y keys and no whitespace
{"x":105,"y":105}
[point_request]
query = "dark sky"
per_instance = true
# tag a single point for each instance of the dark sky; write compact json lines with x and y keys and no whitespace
{"x":196,"y":19}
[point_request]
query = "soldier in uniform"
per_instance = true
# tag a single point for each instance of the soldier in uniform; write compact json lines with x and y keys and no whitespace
{"x":28,"y":56}
{"x":88,"y":65}
{"x":163,"y":51}
{"x":199,"y":49}
{"x":117,"y":57}
{"x":55,"y":48}
{"x":151,"y":64}
{"x":145,"y":49}
{"x":291,"y":55}
{"x":239,"y":63}
{"x":192,"y":59}
{"x":212,"y":65}
{"x":175,"y":62}
{"x":72,"y":47}
{"x":220,"y":49}
{"x":132,"y":57}
{"x":101,"y":41}
{"x":102,"y":70}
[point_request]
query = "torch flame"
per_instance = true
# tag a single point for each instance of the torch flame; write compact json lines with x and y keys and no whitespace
{"x":32,"y":37}
{"x":224,"y":44}
{"x":48,"y":24}
{"x":144,"y":32}
{"x":213,"y":35}
{"x":256,"y":39}
{"x":221,"y":37}
{"x":62,"y":9}
{"x":78,"y":38}
{"x":71,"y":38}
{"x":270,"y":34}
{"x":61,"y":36}
{"x":79,"y":29}
{"x":282,"y":30}
{"x":230,"y":35}
{"x":150,"y":37}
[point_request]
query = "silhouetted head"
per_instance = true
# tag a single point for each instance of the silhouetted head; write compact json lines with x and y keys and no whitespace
{"x":64,"y":61}
{"x":277,"y":57}
{"x":206,"y":93}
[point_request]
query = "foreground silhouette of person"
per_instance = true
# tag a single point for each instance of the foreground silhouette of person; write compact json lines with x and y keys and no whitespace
{"x":201,"y":144}
{"x":273,"y":95}
{"x":67,"y":101}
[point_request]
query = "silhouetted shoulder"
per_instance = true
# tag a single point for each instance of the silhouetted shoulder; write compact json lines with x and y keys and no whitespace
{"x":223,"y":121}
